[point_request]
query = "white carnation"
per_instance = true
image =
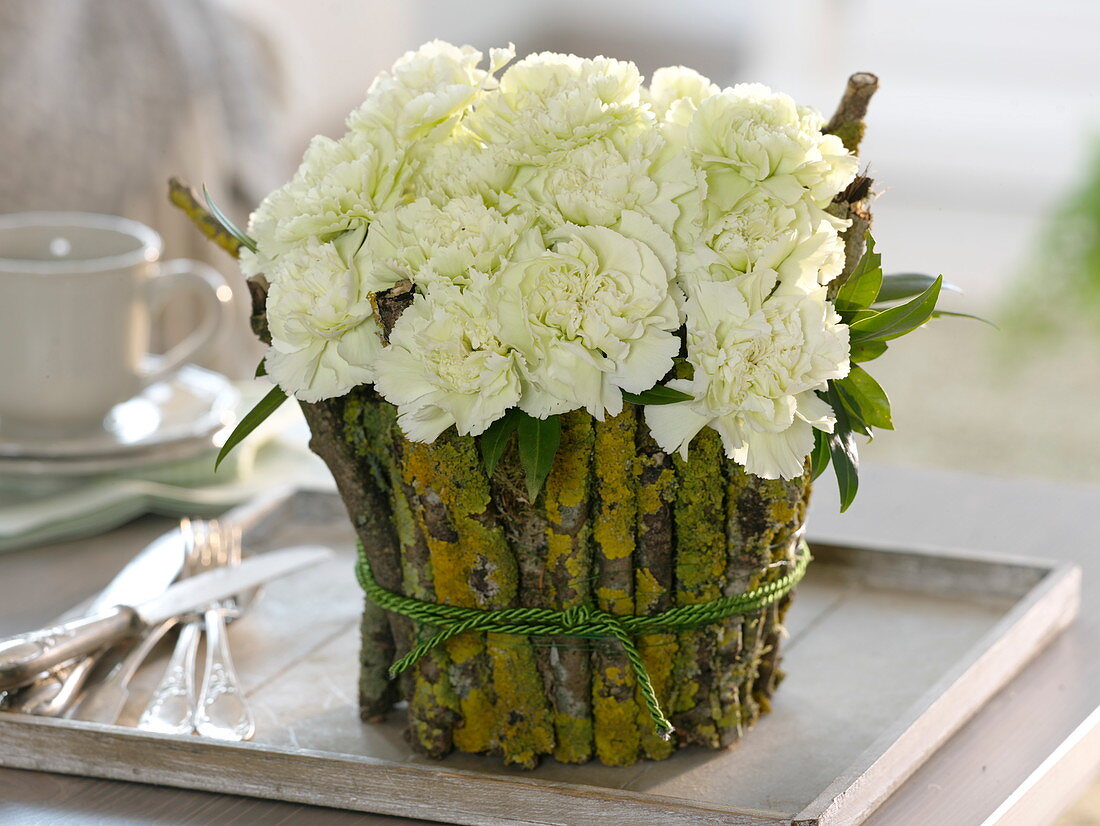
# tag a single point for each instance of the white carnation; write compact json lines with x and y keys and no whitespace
{"x":750,"y":136}
{"x":593,"y":184}
{"x":678,"y":83}
{"x":446,"y":364}
{"x":324,"y":337}
{"x":462,"y":166}
{"x":756,"y":370}
{"x":592,"y":315}
{"x":424,"y":93}
{"x":549,"y":103}
{"x":793,"y":247}
{"x":340,"y":185}
{"x":423,"y":242}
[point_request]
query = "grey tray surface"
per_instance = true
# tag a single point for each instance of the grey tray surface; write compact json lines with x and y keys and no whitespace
{"x":890,"y":651}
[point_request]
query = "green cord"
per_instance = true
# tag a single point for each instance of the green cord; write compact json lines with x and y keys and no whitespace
{"x":584,"y":621}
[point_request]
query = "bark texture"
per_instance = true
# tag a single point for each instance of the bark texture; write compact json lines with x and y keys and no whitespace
{"x":619,"y":524}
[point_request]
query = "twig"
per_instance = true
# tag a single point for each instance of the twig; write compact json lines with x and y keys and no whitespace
{"x":181,"y":196}
{"x":847,"y":121}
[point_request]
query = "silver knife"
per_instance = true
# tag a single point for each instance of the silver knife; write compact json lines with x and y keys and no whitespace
{"x":146,"y":575}
{"x":25,"y":656}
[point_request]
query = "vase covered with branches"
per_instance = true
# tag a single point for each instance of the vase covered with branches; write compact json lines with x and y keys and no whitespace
{"x":574,"y":348}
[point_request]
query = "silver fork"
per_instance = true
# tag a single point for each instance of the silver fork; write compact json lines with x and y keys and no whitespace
{"x":172,"y":706}
{"x":222,"y":712}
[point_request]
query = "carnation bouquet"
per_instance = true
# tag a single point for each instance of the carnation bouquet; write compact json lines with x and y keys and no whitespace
{"x":574,"y":348}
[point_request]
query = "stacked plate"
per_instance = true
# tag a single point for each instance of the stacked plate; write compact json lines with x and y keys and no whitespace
{"x":182,"y":417}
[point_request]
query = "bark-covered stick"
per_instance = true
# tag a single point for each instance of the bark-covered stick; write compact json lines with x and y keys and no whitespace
{"x":495,"y":676}
{"x":181,"y":196}
{"x":344,"y":441}
{"x":762,"y":518}
{"x":655,"y":485}
{"x":526,"y":529}
{"x":568,"y":560}
{"x":615,"y":717}
{"x":854,"y":203}
{"x":433,"y":708}
{"x":699,"y":513}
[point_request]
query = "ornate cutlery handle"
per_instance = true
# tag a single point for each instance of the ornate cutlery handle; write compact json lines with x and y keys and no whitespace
{"x":108,"y":698}
{"x":173,"y":703}
{"x":53,"y":695}
{"x":222,"y":712}
{"x":25,"y":656}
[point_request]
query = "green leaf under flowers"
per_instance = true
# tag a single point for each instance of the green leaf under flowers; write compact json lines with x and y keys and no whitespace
{"x":495,"y":438}
{"x":819,"y":458}
{"x":252,"y":419}
{"x":261,"y":369}
{"x":862,"y":286}
{"x":227,"y":225}
{"x":951,"y":314}
{"x":864,"y":398}
{"x":658,"y":395}
{"x":538,"y":443}
{"x":899,"y":320}
{"x":867,"y":350}
{"x":844,"y":454}
{"x":899,"y":285}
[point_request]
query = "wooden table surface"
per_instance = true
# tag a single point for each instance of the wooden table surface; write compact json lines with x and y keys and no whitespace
{"x":1022,"y":759}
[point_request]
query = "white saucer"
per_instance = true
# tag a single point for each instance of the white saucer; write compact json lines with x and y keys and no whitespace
{"x":178,"y":418}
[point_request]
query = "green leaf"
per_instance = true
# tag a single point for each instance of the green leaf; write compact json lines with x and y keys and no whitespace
{"x":658,"y":395}
{"x":897,"y":286}
{"x":261,"y":368}
{"x":867,"y":350}
{"x":819,"y":459}
{"x":950,"y":314}
{"x":538,"y":443}
{"x":495,"y":438}
{"x":862,"y":286}
{"x":844,"y":454}
{"x":252,"y":419}
{"x":227,"y":225}
{"x":864,"y":398}
{"x":897,"y":321}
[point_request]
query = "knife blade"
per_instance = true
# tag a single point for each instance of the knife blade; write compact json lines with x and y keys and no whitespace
{"x":147,"y":574}
{"x":25,"y":656}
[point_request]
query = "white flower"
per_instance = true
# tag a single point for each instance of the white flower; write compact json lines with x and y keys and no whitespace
{"x":592,"y":315}
{"x":463,"y":165}
{"x":678,"y":83}
{"x":749,"y":136}
{"x":340,"y":185}
{"x":446,"y":364}
{"x":423,"y":242}
{"x":594,"y":183}
{"x":424,"y":93}
{"x":755,"y":372}
{"x":794,"y":247}
{"x":549,"y":103}
{"x":324,"y":337}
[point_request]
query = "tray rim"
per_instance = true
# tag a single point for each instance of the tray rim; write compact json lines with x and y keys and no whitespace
{"x":1036,"y":616}
{"x":1039,"y":615}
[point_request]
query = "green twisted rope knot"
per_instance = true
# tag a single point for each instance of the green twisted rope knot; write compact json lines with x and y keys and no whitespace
{"x":584,"y":621}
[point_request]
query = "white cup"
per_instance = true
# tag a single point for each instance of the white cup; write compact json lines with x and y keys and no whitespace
{"x":77,"y":294}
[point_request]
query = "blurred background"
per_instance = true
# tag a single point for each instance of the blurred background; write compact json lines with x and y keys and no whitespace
{"x":983,"y":141}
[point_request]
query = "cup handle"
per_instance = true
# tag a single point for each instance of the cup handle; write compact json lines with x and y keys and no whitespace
{"x":197,"y":278}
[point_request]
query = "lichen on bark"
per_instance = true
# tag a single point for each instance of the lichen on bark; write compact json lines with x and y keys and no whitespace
{"x":566,"y":503}
{"x":614,"y":713}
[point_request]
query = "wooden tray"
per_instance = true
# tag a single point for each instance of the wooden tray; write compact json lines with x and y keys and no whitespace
{"x":890,"y":651}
